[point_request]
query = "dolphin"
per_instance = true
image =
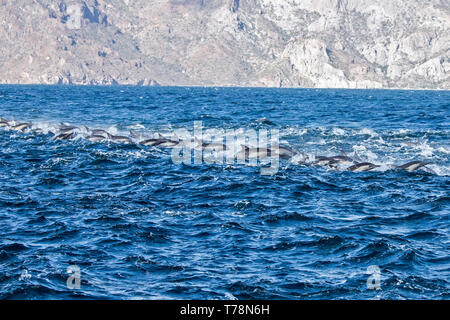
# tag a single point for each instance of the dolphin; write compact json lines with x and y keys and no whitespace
{"x":97,"y":132}
{"x":215,"y":146}
{"x":160,"y":142}
{"x":210,"y":145}
{"x":243,"y":153}
{"x":67,"y":129}
{"x":163,"y":142}
{"x":254,"y":153}
{"x":63,"y":126}
{"x":155,"y":141}
{"x":324,"y":160}
{"x":259,"y":153}
{"x":65,"y":136}
{"x":262,"y":153}
{"x":301,"y":157}
{"x":334,"y":160}
{"x":22,"y":126}
{"x":38,"y":131}
{"x":413,"y":165}
{"x":170,"y":144}
{"x":152,"y":142}
{"x":4,"y":122}
{"x":95,"y":138}
{"x":121,"y":139}
{"x":283,"y":152}
{"x":362,"y":166}
{"x":342,"y":158}
{"x":265,"y":121}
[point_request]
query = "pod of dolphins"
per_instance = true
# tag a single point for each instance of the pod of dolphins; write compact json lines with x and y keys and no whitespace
{"x":68,"y":132}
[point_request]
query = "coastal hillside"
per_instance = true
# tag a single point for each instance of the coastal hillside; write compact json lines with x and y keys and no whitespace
{"x":268,"y":43}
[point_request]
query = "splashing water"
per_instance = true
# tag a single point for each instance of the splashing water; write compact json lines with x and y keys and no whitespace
{"x":138,"y":225}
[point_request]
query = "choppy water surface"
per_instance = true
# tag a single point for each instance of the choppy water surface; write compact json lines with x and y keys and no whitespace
{"x":140,"y":226}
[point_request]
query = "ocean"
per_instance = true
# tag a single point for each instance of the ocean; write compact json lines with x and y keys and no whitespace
{"x":116,"y":219}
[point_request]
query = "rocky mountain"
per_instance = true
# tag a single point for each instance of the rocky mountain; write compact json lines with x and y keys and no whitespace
{"x":275,"y":43}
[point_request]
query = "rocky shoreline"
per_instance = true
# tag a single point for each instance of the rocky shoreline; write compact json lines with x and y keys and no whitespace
{"x":269,"y":43}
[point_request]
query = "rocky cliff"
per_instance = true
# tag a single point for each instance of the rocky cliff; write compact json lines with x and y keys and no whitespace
{"x":276,"y":43}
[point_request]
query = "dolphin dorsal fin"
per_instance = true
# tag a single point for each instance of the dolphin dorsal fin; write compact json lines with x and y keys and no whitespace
{"x":343,"y":153}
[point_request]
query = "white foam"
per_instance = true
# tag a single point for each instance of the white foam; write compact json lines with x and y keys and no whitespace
{"x":378,"y":151}
{"x":439,"y":170}
{"x":425,"y":149}
{"x":338,"y":131}
{"x":401,"y":132}
{"x":368,"y":131}
{"x":293,"y":131}
{"x":136,"y":126}
{"x":443,"y":150}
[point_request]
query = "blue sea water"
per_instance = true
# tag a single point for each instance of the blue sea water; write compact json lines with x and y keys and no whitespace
{"x":139,"y":226}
